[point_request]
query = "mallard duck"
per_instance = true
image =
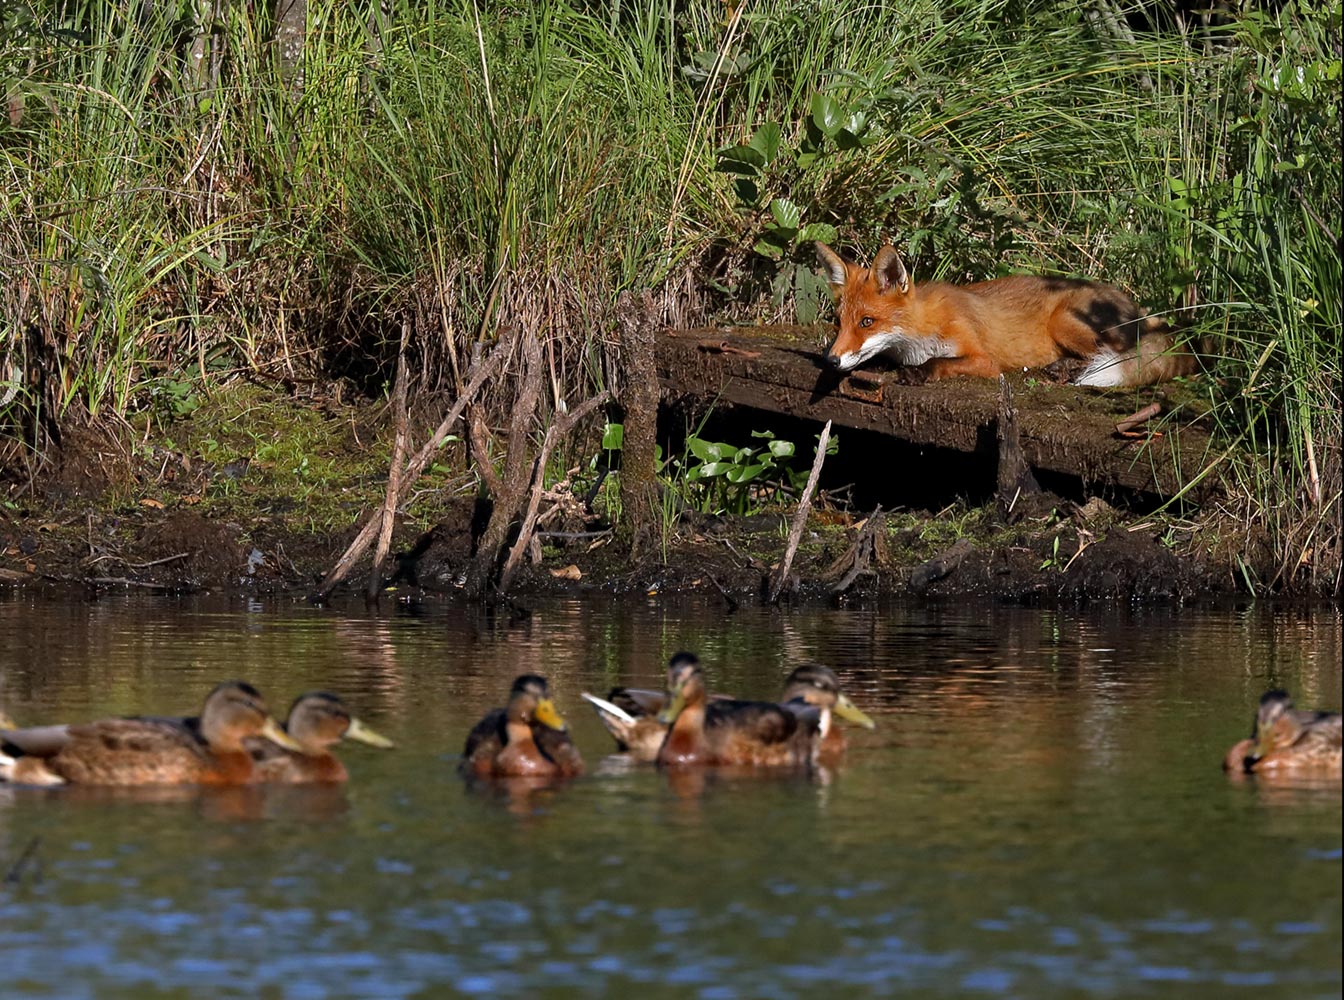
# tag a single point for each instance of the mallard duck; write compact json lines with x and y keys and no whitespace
{"x":818,"y":686}
{"x":1286,"y":738}
{"x":317,"y":722}
{"x":631,"y":714}
{"x":207,"y":750}
{"x":732,"y":732}
{"x":526,"y":738}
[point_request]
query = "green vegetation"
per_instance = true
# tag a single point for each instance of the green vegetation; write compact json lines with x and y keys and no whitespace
{"x":716,"y":477}
{"x":180,"y":206}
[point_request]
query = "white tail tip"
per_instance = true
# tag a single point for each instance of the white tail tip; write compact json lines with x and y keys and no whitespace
{"x":603,"y":705}
{"x":1105,"y":371}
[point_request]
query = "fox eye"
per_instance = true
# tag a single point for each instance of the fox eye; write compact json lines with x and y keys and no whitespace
{"x":866,"y":321}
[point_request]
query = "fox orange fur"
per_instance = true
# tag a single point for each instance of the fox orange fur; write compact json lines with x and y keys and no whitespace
{"x":990,"y":327}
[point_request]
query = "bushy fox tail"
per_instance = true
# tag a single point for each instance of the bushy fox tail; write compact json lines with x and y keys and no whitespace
{"x":1155,"y":357}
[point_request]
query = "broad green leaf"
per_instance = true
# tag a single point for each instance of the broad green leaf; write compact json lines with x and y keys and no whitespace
{"x":826,"y":114}
{"x":787,"y":214}
{"x":744,"y":473}
{"x":704,"y":450}
{"x":747,"y":192}
{"x":613,"y":436}
{"x":766,"y":141}
{"x":781,"y":449}
{"x":741,"y":159}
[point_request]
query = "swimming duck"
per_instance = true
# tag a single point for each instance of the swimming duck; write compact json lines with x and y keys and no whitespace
{"x":1286,"y":738}
{"x":732,"y":731}
{"x":317,"y":722}
{"x":207,"y":750}
{"x":630,"y":714}
{"x":813,"y":684}
{"x":526,"y":738}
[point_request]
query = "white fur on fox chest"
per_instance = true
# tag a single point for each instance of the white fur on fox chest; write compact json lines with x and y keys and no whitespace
{"x":902,"y":346}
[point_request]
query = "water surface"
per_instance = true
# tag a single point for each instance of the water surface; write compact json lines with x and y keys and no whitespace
{"x":1040,"y":813}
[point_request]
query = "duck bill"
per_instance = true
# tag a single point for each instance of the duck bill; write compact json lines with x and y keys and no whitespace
{"x":673,"y":708}
{"x":850,"y":712}
{"x":272,"y":731}
{"x":1264,"y":743}
{"x":546,"y":714}
{"x":363,"y":734}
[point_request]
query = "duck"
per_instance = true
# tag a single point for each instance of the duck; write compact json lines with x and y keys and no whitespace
{"x":731,"y":731}
{"x":210,"y":749}
{"x":526,"y":738}
{"x":818,"y":686}
{"x":317,"y":721}
{"x":1285,"y":738}
{"x":631,"y":714}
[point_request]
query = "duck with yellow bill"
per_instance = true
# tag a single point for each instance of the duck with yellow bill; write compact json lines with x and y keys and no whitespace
{"x":206,"y":750}
{"x":526,"y":738}
{"x":317,"y":721}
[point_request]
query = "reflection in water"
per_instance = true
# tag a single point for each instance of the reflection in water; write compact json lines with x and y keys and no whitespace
{"x":1039,"y":813}
{"x":523,"y":796}
{"x":231,"y":803}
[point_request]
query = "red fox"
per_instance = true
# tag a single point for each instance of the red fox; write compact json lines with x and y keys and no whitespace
{"x":989,"y":327}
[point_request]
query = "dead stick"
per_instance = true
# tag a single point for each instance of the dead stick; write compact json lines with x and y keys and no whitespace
{"x":1134,"y":419}
{"x":388,"y":521}
{"x":25,"y":858}
{"x":154,"y":562}
{"x":516,"y":476}
{"x":121,"y":581}
{"x":478,"y":440}
{"x":478,"y":374}
{"x":559,"y":429}
{"x":800,"y":515}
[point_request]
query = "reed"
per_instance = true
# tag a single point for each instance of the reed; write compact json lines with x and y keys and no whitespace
{"x":468,"y":166}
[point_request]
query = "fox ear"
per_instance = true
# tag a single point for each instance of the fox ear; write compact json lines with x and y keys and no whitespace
{"x":833,"y":267}
{"x":889,"y":272}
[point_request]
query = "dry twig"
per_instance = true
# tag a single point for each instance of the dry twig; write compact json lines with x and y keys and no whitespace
{"x":389,"y":515}
{"x":477,"y":376}
{"x":800,"y":516}
{"x":558,"y":430}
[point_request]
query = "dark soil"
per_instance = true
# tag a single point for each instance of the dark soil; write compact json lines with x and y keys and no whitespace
{"x":214,"y":509}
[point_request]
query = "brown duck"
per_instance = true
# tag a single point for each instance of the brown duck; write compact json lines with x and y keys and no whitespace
{"x":631,"y":714}
{"x":525,"y":738}
{"x":207,"y":750}
{"x":1287,"y":739}
{"x":732,"y":732}
{"x":317,"y":722}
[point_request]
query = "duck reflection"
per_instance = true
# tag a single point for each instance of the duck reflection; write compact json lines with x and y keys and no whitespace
{"x":525,"y":796}
{"x":307,"y":803}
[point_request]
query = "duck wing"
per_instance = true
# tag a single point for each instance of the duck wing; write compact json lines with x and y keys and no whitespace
{"x":131,"y":752}
{"x":486,"y":739}
{"x":34,"y":741}
{"x":761,"y":732}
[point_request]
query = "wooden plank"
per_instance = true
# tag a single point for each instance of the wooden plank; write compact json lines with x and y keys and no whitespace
{"x":1064,"y":429}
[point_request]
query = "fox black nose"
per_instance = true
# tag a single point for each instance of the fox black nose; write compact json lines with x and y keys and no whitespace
{"x":833,"y":360}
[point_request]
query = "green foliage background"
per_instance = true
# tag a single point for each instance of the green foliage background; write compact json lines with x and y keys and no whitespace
{"x":459,"y":168}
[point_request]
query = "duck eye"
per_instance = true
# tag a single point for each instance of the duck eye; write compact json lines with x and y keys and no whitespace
{"x":866,"y":321}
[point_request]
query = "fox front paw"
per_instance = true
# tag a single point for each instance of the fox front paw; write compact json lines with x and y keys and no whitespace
{"x":913,"y":375}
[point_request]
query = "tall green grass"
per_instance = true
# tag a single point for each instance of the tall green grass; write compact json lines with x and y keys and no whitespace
{"x":475,"y":166}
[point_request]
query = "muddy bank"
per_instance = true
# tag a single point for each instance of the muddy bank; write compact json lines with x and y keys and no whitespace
{"x":260,"y":494}
{"x":1063,"y":553}
{"x":184,"y":553}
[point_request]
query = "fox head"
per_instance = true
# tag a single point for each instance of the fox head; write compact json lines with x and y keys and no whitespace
{"x":869,"y":303}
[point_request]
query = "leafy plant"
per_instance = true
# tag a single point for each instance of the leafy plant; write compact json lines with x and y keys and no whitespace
{"x":719,"y":477}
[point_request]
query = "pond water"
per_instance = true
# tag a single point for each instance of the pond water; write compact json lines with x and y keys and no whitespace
{"x":1040,"y":813}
